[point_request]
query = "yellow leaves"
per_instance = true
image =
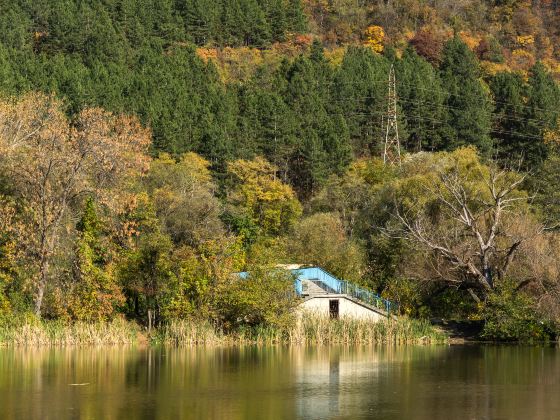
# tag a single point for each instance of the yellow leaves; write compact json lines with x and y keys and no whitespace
{"x":525,"y":40}
{"x":492,"y":68}
{"x":335,"y":56}
{"x":270,"y":203}
{"x":190,"y":168}
{"x":374,"y":37}
{"x":197,"y":165}
{"x":472,"y":40}
{"x":552,"y":137}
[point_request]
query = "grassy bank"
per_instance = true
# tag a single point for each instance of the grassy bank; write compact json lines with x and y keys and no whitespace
{"x":32,"y":332}
{"x":311,"y":330}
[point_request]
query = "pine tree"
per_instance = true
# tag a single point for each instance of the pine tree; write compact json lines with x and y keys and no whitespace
{"x":420,"y":97}
{"x":541,"y":113}
{"x":508,"y":128}
{"x":276,"y":16}
{"x":267,"y":126}
{"x":359,"y":91}
{"x":201,"y":18}
{"x":297,"y":20}
{"x":324,"y":146}
{"x":256,"y":30}
{"x":467,"y":102}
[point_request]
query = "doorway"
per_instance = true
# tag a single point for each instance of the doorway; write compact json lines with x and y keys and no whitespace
{"x":333,"y":308}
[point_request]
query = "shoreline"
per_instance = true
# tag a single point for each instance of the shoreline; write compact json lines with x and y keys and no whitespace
{"x":310,"y":331}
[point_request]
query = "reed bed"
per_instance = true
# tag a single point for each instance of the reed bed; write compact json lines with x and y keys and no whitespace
{"x":57,"y":333}
{"x":189,"y":332}
{"x":321,"y":330}
{"x":306,"y":330}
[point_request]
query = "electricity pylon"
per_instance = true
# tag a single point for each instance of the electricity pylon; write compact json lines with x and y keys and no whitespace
{"x":392,"y":153}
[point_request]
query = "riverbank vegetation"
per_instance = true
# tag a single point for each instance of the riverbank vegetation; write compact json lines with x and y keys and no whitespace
{"x":142,"y":164}
{"x":314,"y":330}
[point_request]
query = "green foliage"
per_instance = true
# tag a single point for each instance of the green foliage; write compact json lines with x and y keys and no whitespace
{"x":509,"y":315}
{"x":547,"y":196}
{"x":259,"y":195}
{"x":407,"y":294}
{"x":265,"y":297}
{"x":233,"y":154}
{"x":321,"y":240}
{"x":146,"y":272}
{"x":325,"y":147}
{"x":8,"y":273}
{"x":541,"y":114}
{"x":95,"y":294}
{"x":421,"y":97}
{"x":467,"y":101}
{"x":359,"y":94}
{"x":184,"y":200}
{"x":524,"y":112}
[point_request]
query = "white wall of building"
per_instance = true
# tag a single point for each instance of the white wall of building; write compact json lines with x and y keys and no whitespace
{"x":347,"y":308}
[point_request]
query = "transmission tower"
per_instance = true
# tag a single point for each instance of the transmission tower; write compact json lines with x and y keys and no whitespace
{"x":392,"y":152}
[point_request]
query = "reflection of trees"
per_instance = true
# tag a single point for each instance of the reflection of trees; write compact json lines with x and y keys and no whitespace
{"x":279,"y":382}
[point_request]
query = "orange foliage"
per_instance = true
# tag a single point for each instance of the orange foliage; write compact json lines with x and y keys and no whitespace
{"x":207,"y":54}
{"x":52,"y":162}
{"x":472,"y":40}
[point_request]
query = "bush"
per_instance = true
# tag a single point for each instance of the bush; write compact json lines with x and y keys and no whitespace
{"x":510,"y":316}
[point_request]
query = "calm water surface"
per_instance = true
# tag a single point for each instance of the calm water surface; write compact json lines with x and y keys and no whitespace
{"x":457,"y":382}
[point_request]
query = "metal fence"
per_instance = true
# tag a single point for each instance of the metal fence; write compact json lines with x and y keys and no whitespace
{"x":342,"y":287}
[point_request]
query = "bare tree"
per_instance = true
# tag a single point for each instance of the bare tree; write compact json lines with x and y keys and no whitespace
{"x":468,"y":226}
{"x":51,"y":162}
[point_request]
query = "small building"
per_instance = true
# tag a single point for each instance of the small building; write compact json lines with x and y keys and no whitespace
{"x":324,"y":294}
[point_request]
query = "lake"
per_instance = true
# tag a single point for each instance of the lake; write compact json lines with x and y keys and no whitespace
{"x":413,"y":382}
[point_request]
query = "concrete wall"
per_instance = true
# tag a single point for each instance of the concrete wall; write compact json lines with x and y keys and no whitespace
{"x":347,"y":308}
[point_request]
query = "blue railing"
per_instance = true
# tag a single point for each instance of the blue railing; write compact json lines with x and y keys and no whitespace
{"x":342,"y":287}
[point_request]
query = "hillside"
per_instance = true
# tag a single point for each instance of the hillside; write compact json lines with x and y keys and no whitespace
{"x":151,"y":148}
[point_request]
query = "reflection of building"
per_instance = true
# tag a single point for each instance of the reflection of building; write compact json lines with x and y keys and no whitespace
{"x":328,"y":376}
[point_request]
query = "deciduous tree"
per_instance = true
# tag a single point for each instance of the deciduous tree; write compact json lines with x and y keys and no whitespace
{"x":53,"y":163}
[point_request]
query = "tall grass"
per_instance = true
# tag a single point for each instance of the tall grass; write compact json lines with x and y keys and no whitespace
{"x":321,"y":330}
{"x":304,"y":330}
{"x":307,"y":330}
{"x":33,"y":332}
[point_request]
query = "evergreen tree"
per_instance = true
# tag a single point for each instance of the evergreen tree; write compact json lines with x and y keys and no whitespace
{"x":297,"y":20}
{"x":360,"y":91}
{"x":468,"y":106}
{"x":267,"y":126}
{"x":420,"y":97}
{"x":276,"y":15}
{"x":324,"y":147}
{"x":541,"y":113}
{"x":256,"y":29}
{"x":201,"y":19}
{"x":508,"y":132}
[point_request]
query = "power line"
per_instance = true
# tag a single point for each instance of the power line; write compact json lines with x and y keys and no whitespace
{"x":392,"y":151}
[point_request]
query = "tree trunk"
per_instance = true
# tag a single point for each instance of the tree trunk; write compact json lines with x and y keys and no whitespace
{"x":46,"y":250}
{"x":149,"y":320}
{"x":40,"y":293}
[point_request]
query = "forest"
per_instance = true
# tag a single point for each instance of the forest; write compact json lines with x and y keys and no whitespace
{"x":150,"y":149}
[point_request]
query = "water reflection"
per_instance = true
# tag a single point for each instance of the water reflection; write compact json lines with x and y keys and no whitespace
{"x":280,"y":383}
